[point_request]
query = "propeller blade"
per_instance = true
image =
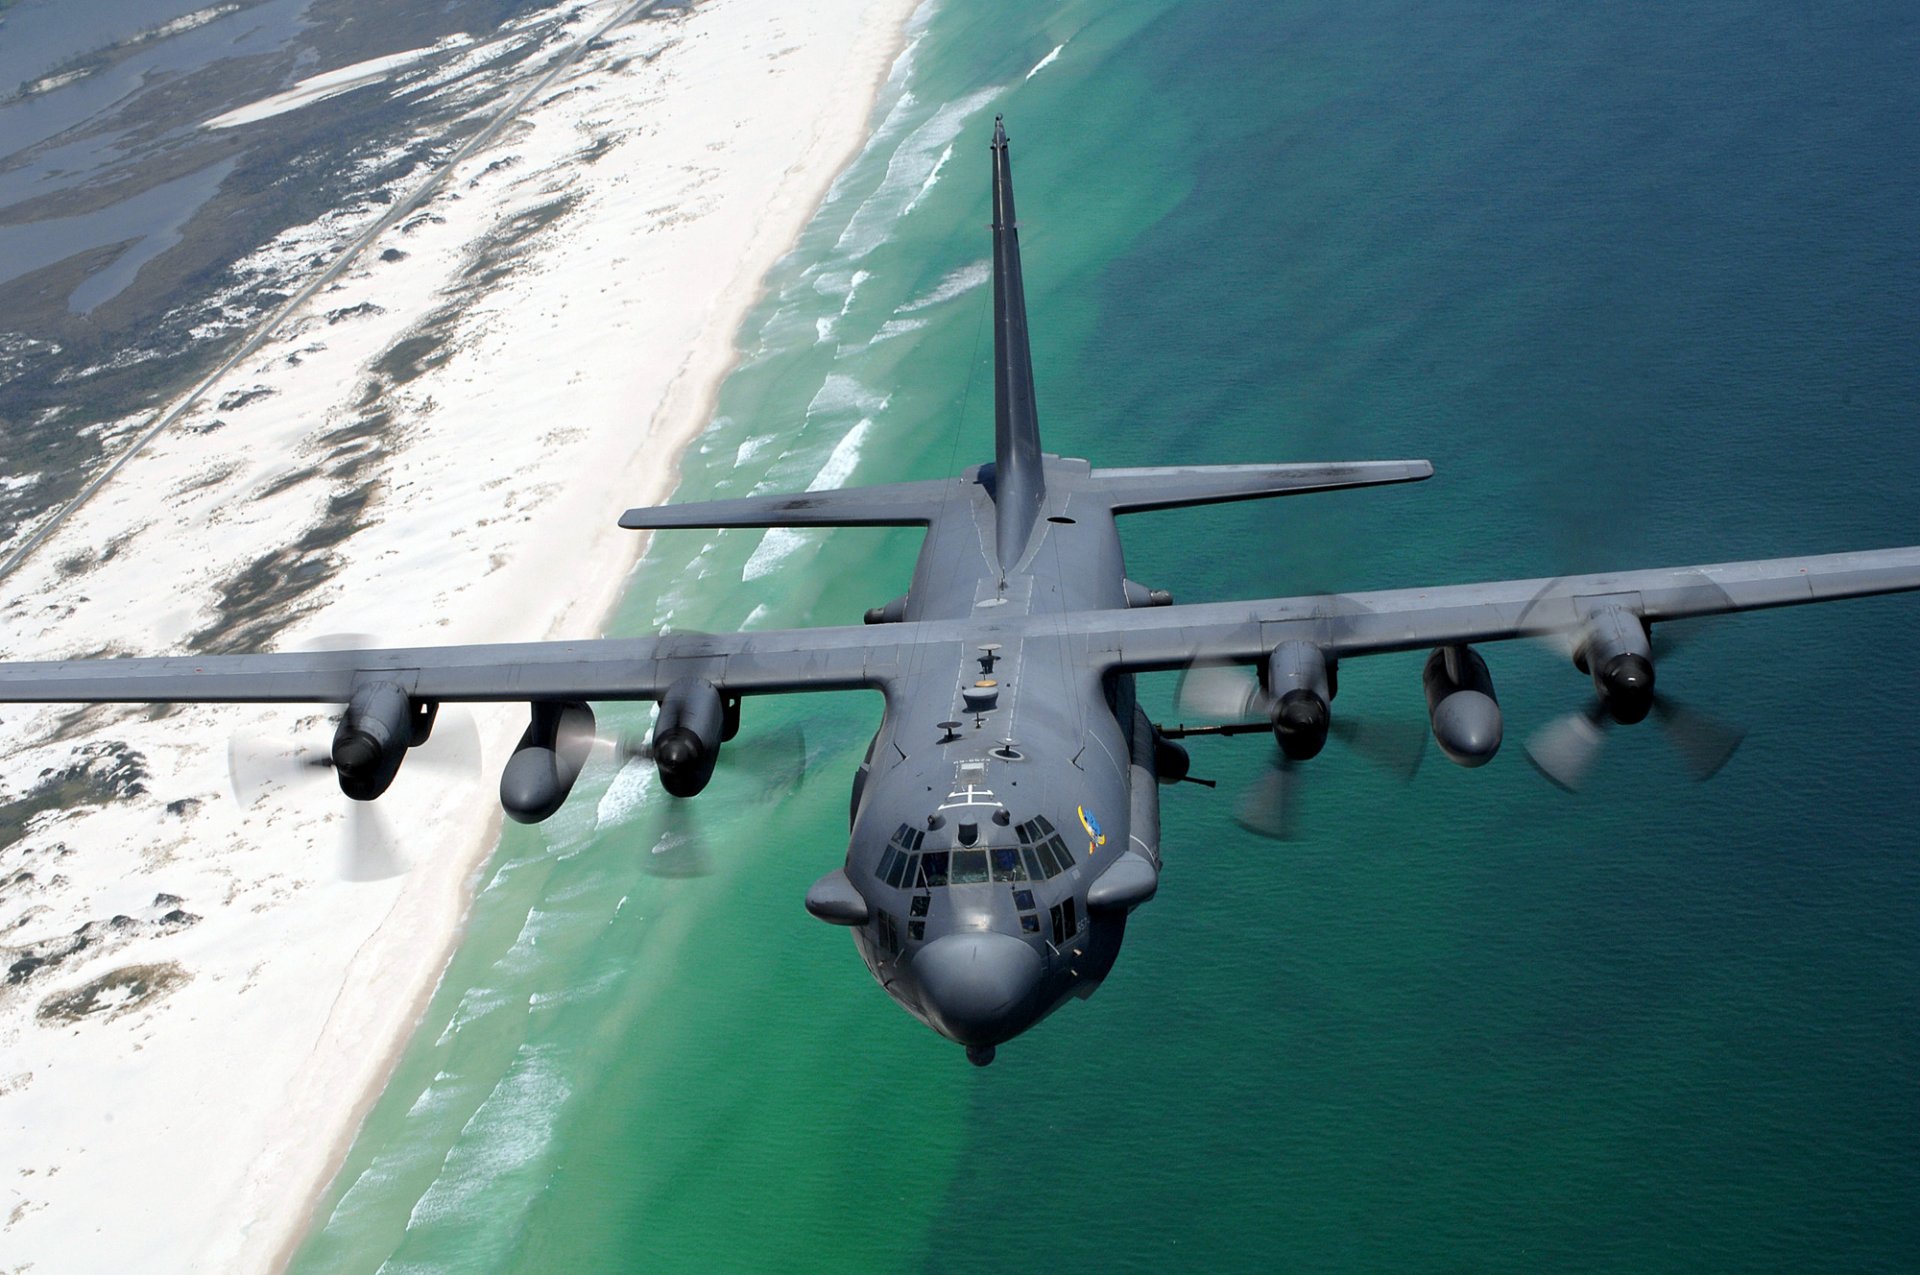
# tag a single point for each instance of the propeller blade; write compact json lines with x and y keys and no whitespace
{"x":452,"y":749}
{"x":1699,"y":594}
{"x":1269,"y":806}
{"x":1220,"y":692}
{"x":257,"y":764}
{"x":1705,"y":742}
{"x":1565,"y":749}
{"x":369,"y":847}
{"x":778,"y":759}
{"x":1397,"y":747}
{"x":775,"y":763}
{"x":338,"y":642}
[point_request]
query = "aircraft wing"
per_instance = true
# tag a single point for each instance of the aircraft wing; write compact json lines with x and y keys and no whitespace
{"x":604,"y":669}
{"x":856,"y":657}
{"x":1409,"y":619}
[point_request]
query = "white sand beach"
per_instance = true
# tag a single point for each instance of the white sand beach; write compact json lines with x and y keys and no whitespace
{"x":444,"y":435}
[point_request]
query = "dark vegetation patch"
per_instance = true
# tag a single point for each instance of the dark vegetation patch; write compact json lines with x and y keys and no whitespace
{"x":353,"y":311}
{"x":287,"y":481}
{"x":411,"y":356}
{"x":206,"y":478}
{"x":98,"y":774}
{"x":115,"y":993}
{"x":89,"y":719}
{"x":31,"y":960}
{"x":256,"y":605}
{"x":234,"y":400}
{"x":499,"y":253}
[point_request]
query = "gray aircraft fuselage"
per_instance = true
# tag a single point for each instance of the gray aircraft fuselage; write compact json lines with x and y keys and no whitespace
{"x":1007,"y":937}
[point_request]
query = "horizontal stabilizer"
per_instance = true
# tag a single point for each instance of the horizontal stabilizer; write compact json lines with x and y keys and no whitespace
{"x":890,"y":505}
{"x":1170,"y":487}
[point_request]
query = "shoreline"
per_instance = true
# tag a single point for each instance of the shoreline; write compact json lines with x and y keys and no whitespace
{"x":682,"y":416}
{"x":520,"y":448}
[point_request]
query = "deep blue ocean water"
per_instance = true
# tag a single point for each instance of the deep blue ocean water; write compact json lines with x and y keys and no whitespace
{"x":1642,"y":281}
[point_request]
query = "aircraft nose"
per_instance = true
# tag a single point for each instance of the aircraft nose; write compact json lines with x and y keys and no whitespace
{"x":973,"y":984}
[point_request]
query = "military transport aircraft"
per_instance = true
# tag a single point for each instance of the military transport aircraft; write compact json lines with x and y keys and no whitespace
{"x":1005,"y":820}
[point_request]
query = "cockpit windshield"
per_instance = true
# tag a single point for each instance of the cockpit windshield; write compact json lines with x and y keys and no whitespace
{"x":1041,"y":854}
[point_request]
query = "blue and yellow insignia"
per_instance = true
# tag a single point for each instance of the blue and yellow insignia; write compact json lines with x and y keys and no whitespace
{"x":1092,"y":825}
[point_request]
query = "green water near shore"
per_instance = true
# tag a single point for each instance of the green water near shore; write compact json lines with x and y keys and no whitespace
{"x":1642,"y":282}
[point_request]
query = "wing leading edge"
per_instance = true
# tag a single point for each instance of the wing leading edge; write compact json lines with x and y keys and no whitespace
{"x":873,"y":657}
{"x":1409,"y":619}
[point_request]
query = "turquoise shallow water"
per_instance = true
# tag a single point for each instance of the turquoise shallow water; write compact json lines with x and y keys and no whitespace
{"x":1642,"y":281}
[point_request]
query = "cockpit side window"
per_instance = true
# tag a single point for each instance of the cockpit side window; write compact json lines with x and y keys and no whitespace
{"x":1035,"y":868}
{"x":1065,"y":921}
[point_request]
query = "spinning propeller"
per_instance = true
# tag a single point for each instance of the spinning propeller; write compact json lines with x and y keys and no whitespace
{"x":775,"y":762}
{"x":1618,"y":650}
{"x":370,"y":850}
{"x":1301,"y":719}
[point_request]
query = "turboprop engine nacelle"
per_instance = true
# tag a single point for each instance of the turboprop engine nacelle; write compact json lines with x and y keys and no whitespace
{"x":687,"y":734}
{"x":1301,"y":686}
{"x":1615,"y":651}
{"x":381,"y":722}
{"x":547,"y":760}
{"x":1461,"y":705}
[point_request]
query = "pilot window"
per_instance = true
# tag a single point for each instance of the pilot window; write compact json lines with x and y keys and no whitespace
{"x":1006,"y":864}
{"x":933,"y":868}
{"x":969,"y":867}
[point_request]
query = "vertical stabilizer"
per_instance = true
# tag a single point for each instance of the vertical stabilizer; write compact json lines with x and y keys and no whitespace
{"x":1019,"y":478}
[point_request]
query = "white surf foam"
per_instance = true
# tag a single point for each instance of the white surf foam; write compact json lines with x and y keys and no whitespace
{"x":955,"y":283}
{"x":780,"y":543}
{"x":1046,"y":61}
{"x":912,"y":163}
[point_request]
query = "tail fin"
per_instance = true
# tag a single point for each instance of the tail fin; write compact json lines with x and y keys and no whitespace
{"x":1020,"y":486}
